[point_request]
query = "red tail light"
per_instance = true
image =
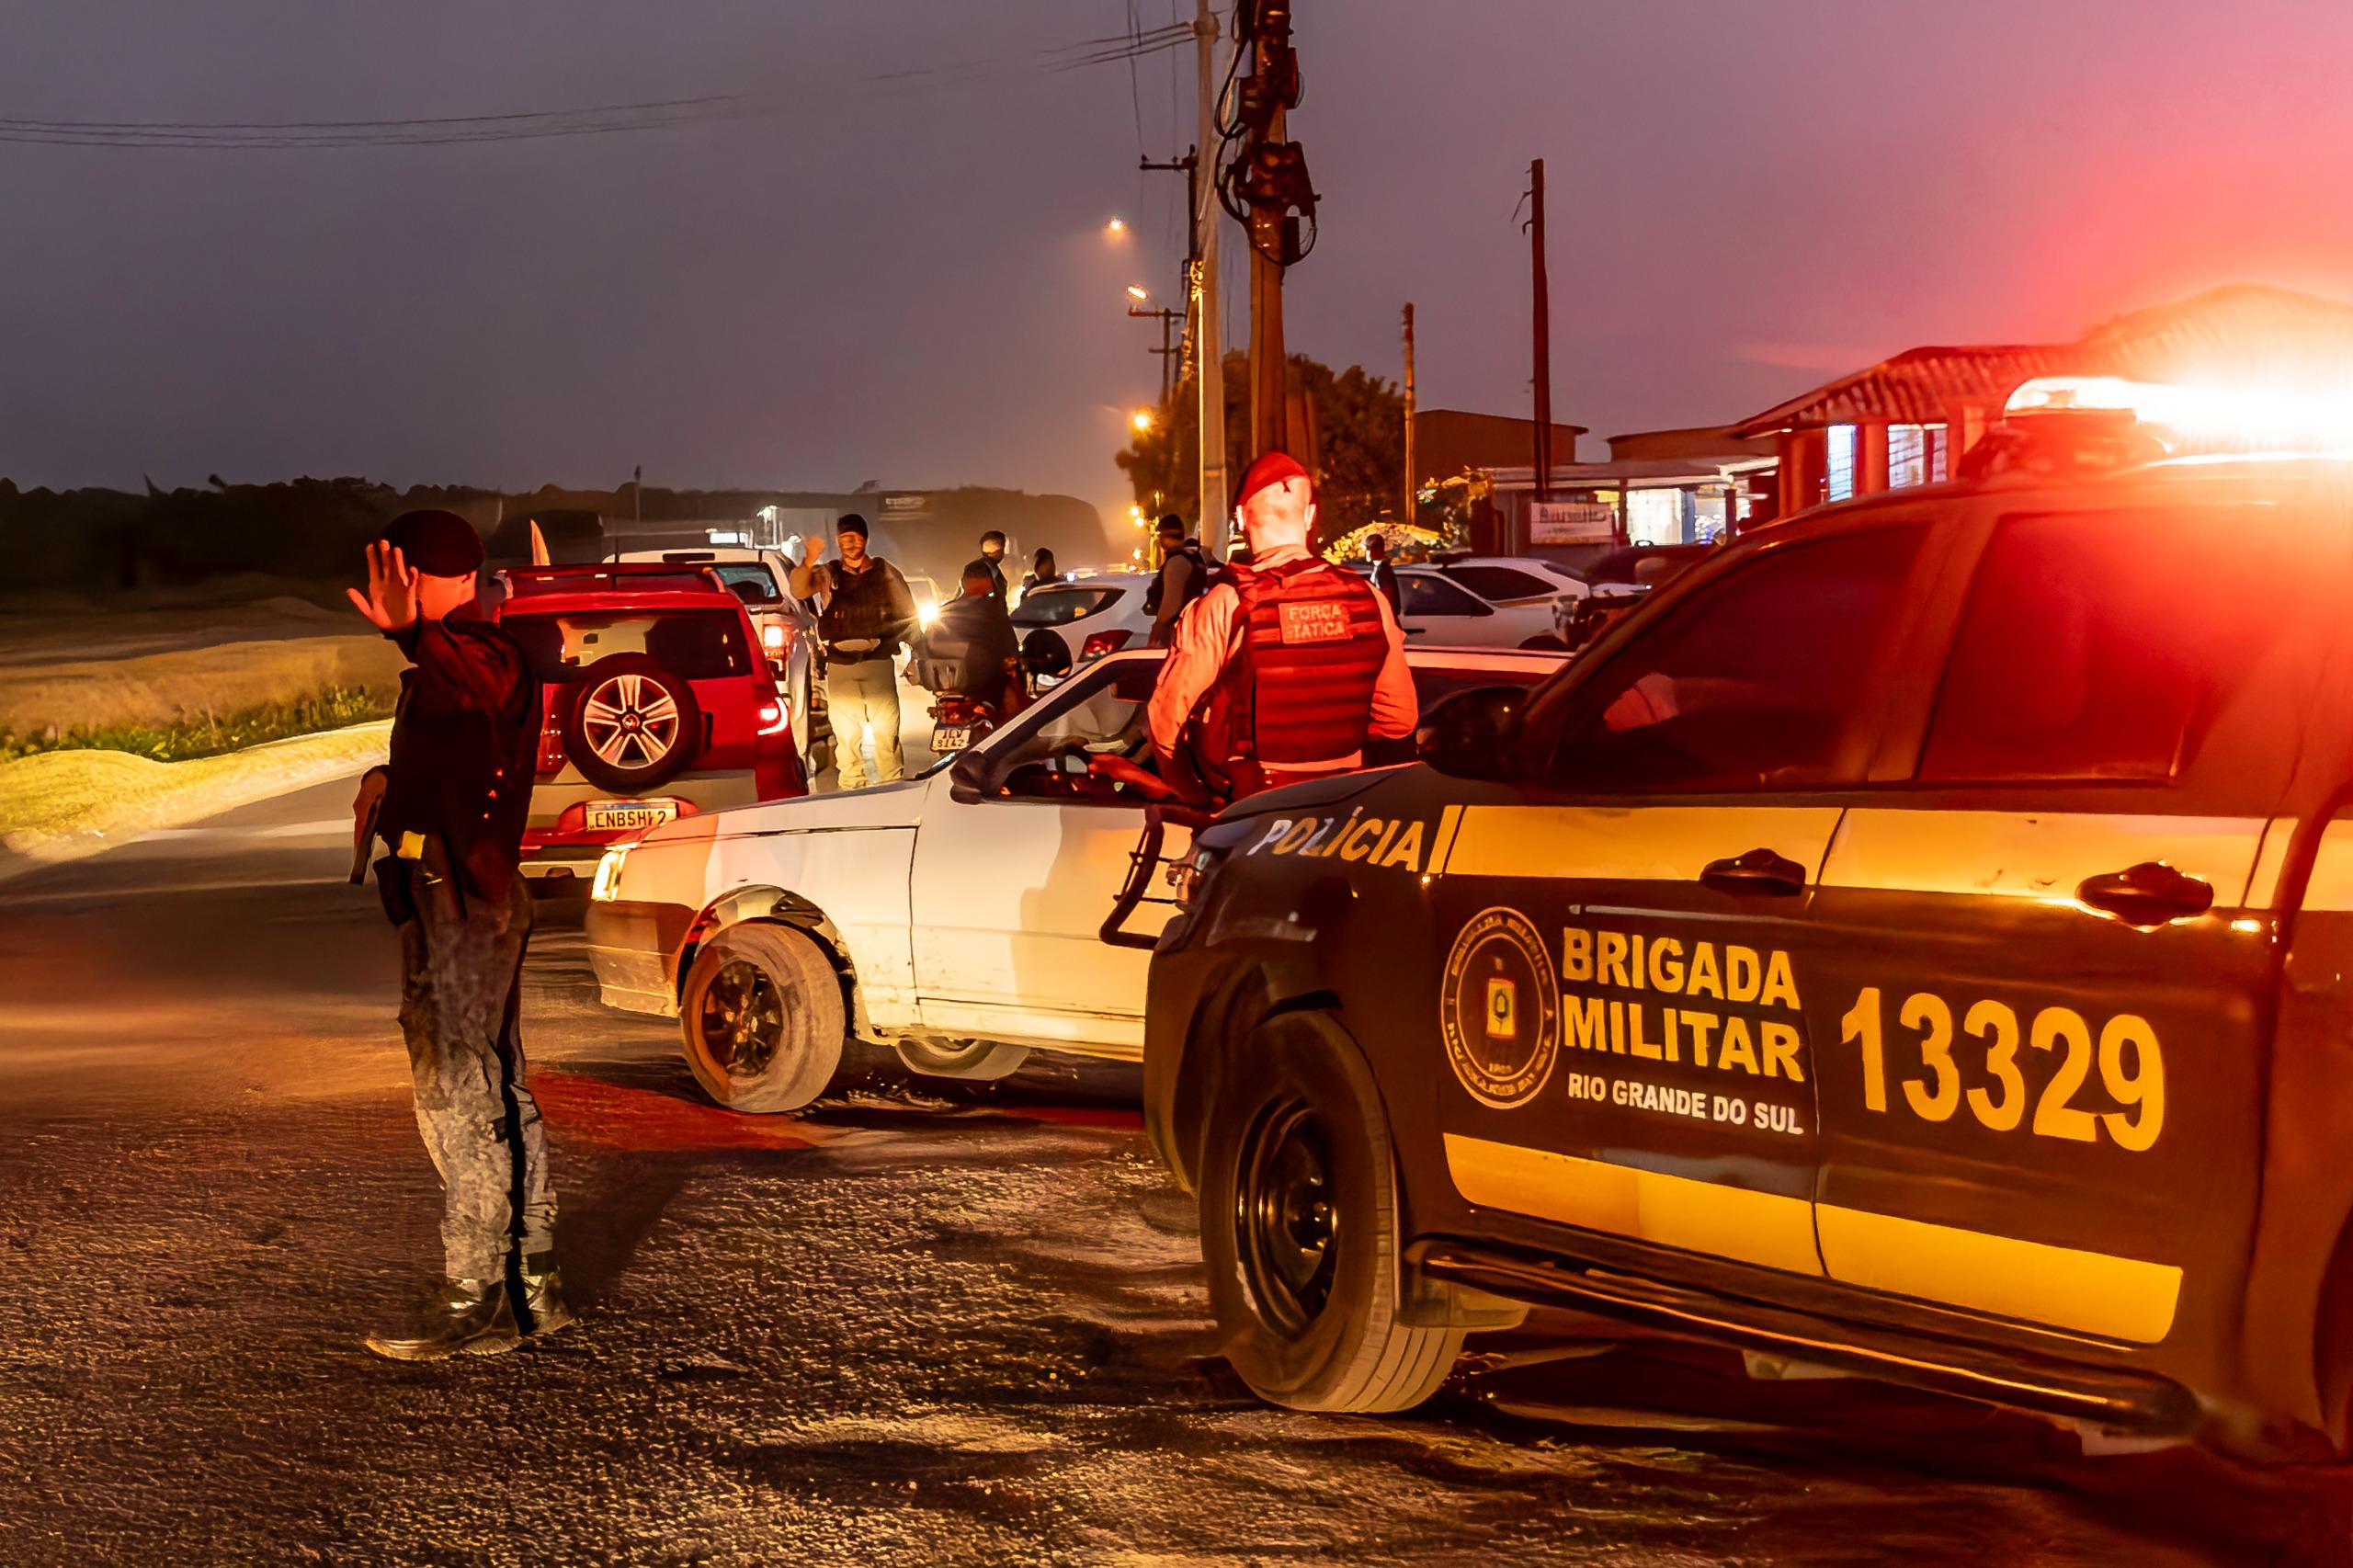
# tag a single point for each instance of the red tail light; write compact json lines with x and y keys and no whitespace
{"x":776,"y":637}
{"x":1103,"y":643}
{"x":775,"y":717}
{"x":551,"y":745}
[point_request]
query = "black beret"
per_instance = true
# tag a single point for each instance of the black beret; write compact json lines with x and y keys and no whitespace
{"x":440,"y":544}
{"x":851,"y":524}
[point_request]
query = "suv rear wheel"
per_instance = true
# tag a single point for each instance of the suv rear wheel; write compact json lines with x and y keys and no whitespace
{"x":1299,"y":1226}
{"x":634,"y":726}
{"x":763,"y":1019}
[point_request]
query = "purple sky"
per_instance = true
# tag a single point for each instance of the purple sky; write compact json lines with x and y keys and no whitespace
{"x":910,"y":283}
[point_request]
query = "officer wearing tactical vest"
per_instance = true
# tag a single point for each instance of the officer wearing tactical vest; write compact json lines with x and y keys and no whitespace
{"x":1283,"y":668}
{"x":450,"y":808}
{"x":866,"y":614}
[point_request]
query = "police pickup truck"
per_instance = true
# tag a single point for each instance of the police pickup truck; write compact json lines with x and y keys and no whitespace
{"x":1915,"y":944}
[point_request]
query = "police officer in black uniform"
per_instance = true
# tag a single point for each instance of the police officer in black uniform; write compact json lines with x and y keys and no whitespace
{"x":448,"y":813}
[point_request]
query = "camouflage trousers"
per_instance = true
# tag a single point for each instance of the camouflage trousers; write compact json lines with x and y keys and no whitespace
{"x":461,"y":970}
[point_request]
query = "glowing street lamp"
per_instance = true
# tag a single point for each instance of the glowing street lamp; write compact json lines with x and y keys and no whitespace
{"x":1138,"y":294}
{"x":1116,"y":228}
{"x":1141,"y":420}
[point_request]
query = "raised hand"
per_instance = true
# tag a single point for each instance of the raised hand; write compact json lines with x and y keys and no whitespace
{"x":391,"y":600}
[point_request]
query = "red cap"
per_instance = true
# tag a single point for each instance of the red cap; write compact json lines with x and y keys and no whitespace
{"x":1270,"y":469}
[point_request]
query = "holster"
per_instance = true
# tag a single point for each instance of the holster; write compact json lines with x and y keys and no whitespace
{"x":395,"y":887}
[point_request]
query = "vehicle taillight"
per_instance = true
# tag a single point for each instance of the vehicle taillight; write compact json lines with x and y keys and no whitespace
{"x":776,"y":637}
{"x":551,"y":745}
{"x":1103,"y":643}
{"x":775,"y":717}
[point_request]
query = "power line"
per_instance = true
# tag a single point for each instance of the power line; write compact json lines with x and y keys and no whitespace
{"x":602,"y":119}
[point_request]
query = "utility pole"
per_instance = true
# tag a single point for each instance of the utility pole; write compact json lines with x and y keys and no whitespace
{"x":1412,"y":488}
{"x":1266,"y":187}
{"x":1167,"y":350}
{"x":1209,"y":337}
{"x":1543,"y":326}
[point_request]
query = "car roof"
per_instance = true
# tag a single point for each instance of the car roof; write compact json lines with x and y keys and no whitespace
{"x":1537,"y":561}
{"x":618,"y":601}
{"x":1091,"y":580}
{"x":1542,"y":659}
{"x":696,"y":554}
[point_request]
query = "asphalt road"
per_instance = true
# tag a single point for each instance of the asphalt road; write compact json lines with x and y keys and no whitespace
{"x":897,"y":1328}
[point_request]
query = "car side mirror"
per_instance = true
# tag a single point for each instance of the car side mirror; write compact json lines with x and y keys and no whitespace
{"x":971,"y":779}
{"x":1474,"y":735}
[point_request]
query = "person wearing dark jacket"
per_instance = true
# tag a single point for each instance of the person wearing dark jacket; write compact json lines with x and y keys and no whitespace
{"x":449,"y":809}
{"x":865,"y":615}
{"x":971,"y":649}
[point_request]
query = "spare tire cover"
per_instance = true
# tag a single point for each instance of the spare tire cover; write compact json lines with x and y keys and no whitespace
{"x":632,"y":725}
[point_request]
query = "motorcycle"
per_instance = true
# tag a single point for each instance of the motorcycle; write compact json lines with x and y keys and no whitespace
{"x":957,"y":721}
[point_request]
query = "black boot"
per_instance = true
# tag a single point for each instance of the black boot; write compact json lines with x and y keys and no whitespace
{"x":544,"y":1308}
{"x":466,"y":1316}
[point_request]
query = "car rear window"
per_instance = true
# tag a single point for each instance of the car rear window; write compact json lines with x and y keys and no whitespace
{"x":1061,"y":606}
{"x":699,"y":644}
{"x":1502,"y":581}
{"x":2097,"y":645}
{"x":738,"y":574}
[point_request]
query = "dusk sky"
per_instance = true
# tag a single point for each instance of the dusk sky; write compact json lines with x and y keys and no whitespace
{"x":905,"y":278}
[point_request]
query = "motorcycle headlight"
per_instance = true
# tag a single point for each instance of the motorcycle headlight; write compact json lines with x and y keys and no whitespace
{"x":608,"y":885}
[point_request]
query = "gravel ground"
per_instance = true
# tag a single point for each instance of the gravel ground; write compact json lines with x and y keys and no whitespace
{"x":899,"y":1328}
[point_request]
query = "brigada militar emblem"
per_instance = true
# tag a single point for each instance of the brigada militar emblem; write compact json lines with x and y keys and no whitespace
{"x":1500,"y":1008}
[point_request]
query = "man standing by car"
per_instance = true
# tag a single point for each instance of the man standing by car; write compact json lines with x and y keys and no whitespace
{"x":993,"y":551}
{"x":1285,"y":667}
{"x":451,"y":807}
{"x":1184,"y":576}
{"x":1380,"y":573}
{"x":865,"y":615}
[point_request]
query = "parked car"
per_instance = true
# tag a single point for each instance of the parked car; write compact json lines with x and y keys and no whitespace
{"x":956,"y":917}
{"x":1064,"y":625}
{"x":1636,"y":566}
{"x":1912,"y":945}
{"x":656,"y":704}
{"x":1513,"y":579}
{"x":788,"y":631}
{"x":1437,"y":611}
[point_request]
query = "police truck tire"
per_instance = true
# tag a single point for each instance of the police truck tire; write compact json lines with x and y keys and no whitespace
{"x":630,"y":725}
{"x":763,"y":1019}
{"x":1300,"y":1230}
{"x":977,"y":1060}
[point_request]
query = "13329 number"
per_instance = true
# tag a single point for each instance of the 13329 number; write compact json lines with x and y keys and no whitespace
{"x":2131,"y":1067}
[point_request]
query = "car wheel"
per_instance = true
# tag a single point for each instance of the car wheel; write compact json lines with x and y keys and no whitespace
{"x":632,"y":726}
{"x":1299,"y":1227}
{"x":980,"y":1060}
{"x":763,"y":1019}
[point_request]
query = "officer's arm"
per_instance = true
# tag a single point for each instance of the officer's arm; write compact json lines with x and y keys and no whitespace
{"x":1205,"y":640}
{"x":458,"y":674}
{"x":807,"y":578}
{"x":1395,"y":709}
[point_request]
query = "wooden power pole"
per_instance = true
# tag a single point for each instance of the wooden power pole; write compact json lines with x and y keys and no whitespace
{"x":1412,"y":485}
{"x":1209,"y":333}
{"x":1269,"y":365}
{"x":1543,"y":326}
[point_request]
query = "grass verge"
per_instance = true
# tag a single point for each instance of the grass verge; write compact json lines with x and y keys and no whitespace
{"x":210,"y":735}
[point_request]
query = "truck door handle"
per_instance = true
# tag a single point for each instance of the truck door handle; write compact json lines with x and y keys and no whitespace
{"x":2148,"y":895}
{"x":1759,"y":871}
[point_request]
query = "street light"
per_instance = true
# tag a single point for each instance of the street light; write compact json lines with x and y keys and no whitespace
{"x":1138,"y":294}
{"x":1141,"y":420}
{"x":1116,"y":227}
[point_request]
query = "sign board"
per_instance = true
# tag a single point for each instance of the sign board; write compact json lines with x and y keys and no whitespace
{"x":904,"y":506}
{"x":1571,"y":522}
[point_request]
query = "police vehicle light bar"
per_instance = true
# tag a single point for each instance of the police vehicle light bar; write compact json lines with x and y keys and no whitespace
{"x":2239,"y":418}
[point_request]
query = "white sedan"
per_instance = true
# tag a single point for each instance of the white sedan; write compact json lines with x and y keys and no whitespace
{"x":955,"y":917}
{"x":1437,"y":611}
{"x":1085,"y":616}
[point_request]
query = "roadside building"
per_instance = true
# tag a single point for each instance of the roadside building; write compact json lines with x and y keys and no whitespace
{"x":1681,"y":486}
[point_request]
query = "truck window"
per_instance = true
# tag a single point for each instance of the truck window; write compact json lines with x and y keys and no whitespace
{"x":1749,"y":684}
{"x":2097,"y":645}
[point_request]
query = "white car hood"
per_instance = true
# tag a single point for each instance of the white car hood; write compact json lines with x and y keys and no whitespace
{"x":886,"y":806}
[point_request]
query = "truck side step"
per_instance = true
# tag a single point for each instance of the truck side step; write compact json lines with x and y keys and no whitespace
{"x":2101,"y":1397}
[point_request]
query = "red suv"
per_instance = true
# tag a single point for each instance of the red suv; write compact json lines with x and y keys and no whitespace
{"x":656,"y":702}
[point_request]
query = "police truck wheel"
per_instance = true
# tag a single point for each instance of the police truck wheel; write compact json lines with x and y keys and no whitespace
{"x":763,"y":1019}
{"x":1299,"y":1227}
{"x":979,"y":1060}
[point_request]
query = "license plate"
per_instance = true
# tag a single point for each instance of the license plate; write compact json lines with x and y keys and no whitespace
{"x":950,"y":737}
{"x":620,"y":816}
